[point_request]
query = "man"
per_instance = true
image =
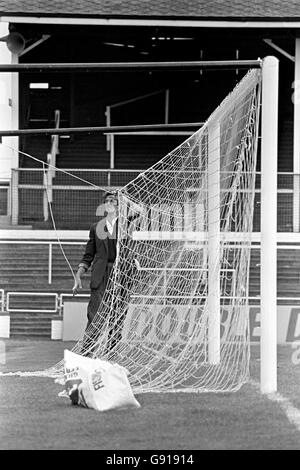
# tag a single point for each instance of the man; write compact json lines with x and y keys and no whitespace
{"x":100,"y":254}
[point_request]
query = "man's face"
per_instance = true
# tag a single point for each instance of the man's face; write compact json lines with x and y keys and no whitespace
{"x":111,"y":204}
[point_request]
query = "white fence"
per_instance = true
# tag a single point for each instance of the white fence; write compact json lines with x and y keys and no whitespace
{"x":10,"y":295}
{"x":58,"y":301}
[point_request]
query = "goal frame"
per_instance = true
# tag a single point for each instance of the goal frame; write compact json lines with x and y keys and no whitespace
{"x":269,"y":158}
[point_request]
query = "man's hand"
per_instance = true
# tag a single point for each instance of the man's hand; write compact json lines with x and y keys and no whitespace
{"x":77,"y":284}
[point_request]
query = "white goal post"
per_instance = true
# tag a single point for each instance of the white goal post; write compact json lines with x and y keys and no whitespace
{"x":269,"y":136}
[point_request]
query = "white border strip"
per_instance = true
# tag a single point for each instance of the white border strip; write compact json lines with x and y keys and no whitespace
{"x":292,"y":413}
{"x":152,"y":22}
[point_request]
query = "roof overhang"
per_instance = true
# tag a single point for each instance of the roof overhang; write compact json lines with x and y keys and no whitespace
{"x":183,"y":23}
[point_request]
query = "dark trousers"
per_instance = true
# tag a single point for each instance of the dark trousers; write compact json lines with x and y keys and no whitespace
{"x":121,"y":300}
{"x":118,"y":311}
{"x":97,"y":295}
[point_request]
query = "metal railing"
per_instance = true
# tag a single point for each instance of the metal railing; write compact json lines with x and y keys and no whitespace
{"x":52,"y":251}
{"x":2,"y":300}
{"x":119,"y":135}
{"x":75,"y":202}
{"x":5,"y":197}
{"x":59,"y":301}
{"x":6,"y":300}
{"x":63,"y":296}
{"x":49,"y":245}
{"x":9,"y":295}
{"x":108,"y":113}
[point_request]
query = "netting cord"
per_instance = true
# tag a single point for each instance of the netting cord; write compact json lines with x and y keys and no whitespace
{"x":101,"y":188}
{"x":54,"y":226}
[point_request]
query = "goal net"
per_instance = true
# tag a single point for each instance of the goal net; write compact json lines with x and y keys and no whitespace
{"x":175,"y":310}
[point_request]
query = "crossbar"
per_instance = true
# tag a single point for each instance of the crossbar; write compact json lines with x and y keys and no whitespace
{"x":128,"y":66}
{"x":94,"y":129}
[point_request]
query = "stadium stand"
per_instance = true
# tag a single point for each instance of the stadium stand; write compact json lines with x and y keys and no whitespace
{"x":83,"y":98}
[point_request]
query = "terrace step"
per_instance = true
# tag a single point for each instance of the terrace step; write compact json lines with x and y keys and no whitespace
{"x":30,"y":333}
{"x":29,"y":324}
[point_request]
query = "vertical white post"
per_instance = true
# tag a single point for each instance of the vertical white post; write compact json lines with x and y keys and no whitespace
{"x":50,"y":264}
{"x":112,"y":151}
{"x":296,"y":133}
{"x":55,"y":144}
{"x":9,"y":198}
{"x":112,"y":157}
{"x":45,"y":196}
{"x":6,"y":154}
{"x":213,"y":304}
{"x":9,"y":115}
{"x":15,"y":110}
{"x":167,"y":101}
{"x":108,"y":123}
{"x":14,"y":196}
{"x":269,"y":135}
{"x":49,"y":176}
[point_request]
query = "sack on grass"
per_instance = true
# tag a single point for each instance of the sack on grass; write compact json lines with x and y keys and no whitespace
{"x":97,"y":384}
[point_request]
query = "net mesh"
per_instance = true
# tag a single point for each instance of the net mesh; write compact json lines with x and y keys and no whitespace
{"x":175,"y":310}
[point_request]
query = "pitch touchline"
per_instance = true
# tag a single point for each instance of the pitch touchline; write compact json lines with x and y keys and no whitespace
{"x":292,"y":413}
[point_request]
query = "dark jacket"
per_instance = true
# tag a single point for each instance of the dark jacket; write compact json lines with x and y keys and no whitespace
{"x":96,"y":252}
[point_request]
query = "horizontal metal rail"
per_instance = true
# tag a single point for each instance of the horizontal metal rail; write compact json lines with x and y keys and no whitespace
{"x":62,"y":187}
{"x":129,"y":66}
{"x":143,"y":133}
{"x":252,"y":298}
{"x":179,"y":296}
{"x":65,"y":186}
{"x":254,"y":245}
{"x":86,"y":170}
{"x":32,"y":294}
{"x":63,"y":296}
{"x":136,"y":170}
{"x":94,"y":129}
{"x":140,"y":268}
{"x":41,"y":242}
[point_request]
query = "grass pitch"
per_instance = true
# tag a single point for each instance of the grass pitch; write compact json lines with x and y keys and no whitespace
{"x":32,"y":416}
